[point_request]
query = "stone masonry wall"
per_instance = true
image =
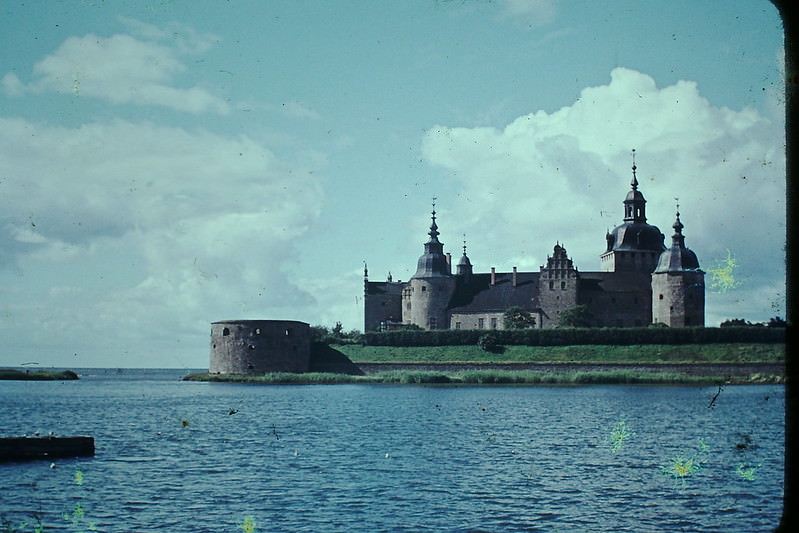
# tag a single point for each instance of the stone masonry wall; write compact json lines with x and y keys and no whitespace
{"x":259,"y":346}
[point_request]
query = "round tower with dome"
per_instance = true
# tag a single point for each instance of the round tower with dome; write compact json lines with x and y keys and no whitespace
{"x":427,"y":295}
{"x":678,"y":284}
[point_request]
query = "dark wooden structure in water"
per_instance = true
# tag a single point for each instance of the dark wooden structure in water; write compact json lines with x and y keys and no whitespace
{"x":48,"y":447}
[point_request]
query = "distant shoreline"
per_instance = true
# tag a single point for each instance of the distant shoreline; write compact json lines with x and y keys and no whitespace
{"x":37,"y":375}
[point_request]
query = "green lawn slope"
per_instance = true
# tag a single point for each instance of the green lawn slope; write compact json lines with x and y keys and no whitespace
{"x":644,"y":353}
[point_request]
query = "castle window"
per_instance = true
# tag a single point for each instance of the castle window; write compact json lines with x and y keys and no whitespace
{"x":252,"y":346}
{"x":660,"y":297}
{"x":433,"y":322}
{"x":424,"y":288}
{"x":480,"y":323}
{"x":225,"y":332}
{"x":257,"y":331}
{"x":551,"y":285}
{"x":288,"y":332}
{"x":562,"y":285}
{"x":457,"y":325}
{"x":493,"y":323}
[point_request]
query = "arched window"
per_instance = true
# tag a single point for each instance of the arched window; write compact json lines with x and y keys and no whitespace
{"x":225,"y":332}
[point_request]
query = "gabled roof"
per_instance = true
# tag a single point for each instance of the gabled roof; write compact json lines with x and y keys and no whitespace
{"x":615,"y":282}
{"x":478,"y":295}
{"x":383,"y":287}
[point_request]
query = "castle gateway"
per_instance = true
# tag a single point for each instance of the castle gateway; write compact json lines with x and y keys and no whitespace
{"x":641,"y":282}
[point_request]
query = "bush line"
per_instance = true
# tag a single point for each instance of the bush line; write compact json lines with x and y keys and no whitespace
{"x":582,"y":336}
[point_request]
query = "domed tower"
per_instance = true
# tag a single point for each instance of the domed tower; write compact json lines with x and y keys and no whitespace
{"x":678,"y":285}
{"x":633,"y":246}
{"x":427,"y":295}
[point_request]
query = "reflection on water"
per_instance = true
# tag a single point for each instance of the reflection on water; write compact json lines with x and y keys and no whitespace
{"x":175,"y":456}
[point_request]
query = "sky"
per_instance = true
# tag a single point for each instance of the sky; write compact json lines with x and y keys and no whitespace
{"x":167,"y":164}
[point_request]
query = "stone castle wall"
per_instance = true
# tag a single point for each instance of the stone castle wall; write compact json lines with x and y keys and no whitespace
{"x":259,"y":346}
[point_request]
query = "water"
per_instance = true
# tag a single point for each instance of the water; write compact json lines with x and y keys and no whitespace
{"x":174,"y":456}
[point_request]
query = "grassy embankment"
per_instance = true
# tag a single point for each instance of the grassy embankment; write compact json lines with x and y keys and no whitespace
{"x":700,"y":353}
{"x":38,"y":375}
{"x":487,"y":377}
{"x":642,"y":353}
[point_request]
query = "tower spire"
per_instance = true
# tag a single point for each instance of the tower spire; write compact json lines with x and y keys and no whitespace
{"x":433,"y":262}
{"x":433,"y":226}
{"x":634,"y":204}
{"x":464,"y":265}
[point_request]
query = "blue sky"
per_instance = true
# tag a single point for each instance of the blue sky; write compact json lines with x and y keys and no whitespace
{"x":166,"y":164}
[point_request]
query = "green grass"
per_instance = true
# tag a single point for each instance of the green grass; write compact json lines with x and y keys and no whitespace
{"x":645,"y":353}
{"x":39,"y":375}
{"x":485,"y":377}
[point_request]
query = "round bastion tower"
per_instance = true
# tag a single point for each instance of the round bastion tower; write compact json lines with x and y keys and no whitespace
{"x":678,"y":285}
{"x":259,"y":346}
{"x":427,"y":295}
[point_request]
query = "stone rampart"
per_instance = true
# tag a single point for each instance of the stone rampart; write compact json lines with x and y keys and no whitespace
{"x":259,"y":346}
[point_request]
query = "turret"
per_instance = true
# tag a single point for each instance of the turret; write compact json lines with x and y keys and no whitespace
{"x":428,"y":293}
{"x":678,"y":284}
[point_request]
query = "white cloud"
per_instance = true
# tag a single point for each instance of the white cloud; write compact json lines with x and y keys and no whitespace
{"x":562,"y":176}
{"x":156,"y":231}
{"x":123,"y":70}
{"x":530,"y":12}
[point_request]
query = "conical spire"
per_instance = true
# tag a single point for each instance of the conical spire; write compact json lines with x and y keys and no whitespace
{"x":433,"y":226}
{"x":464,"y":265}
{"x":433,"y":262}
{"x":677,"y":257}
{"x":634,"y":204}
{"x":678,"y":239}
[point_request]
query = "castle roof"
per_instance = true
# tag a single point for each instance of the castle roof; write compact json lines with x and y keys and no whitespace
{"x":479,"y":295}
{"x":433,"y":263}
{"x":677,"y":258}
{"x":614,"y":282}
{"x":635,"y":233}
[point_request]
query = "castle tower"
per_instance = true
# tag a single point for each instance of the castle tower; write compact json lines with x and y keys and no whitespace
{"x":678,"y":285}
{"x":427,"y":294}
{"x":464,"y":267}
{"x":557,"y":289}
{"x":633,"y":246}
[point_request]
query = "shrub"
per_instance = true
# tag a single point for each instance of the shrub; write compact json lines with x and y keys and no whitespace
{"x":490,"y":343}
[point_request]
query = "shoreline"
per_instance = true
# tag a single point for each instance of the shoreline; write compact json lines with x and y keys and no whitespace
{"x":690,"y":369}
{"x":529,"y":374}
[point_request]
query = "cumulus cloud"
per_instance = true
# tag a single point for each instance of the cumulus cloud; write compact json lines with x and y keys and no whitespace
{"x":141,"y":224}
{"x":562,"y":176}
{"x":123,"y":69}
{"x":531,"y":12}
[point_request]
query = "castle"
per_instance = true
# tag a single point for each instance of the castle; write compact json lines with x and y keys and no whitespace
{"x":641,"y":282}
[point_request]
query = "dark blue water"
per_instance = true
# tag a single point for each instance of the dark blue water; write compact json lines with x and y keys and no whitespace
{"x":196,"y":457}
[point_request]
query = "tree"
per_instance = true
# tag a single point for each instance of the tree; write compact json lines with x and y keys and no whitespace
{"x":576,"y":317}
{"x":777,"y":322}
{"x":517,"y":318}
{"x":736,"y":322}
